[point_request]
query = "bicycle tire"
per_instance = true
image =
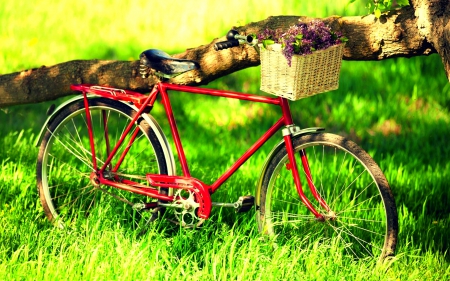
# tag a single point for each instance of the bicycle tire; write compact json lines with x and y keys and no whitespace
{"x":64,"y":163}
{"x":363,"y":219}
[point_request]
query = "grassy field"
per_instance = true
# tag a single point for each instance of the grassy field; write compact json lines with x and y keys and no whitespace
{"x":398,"y":110}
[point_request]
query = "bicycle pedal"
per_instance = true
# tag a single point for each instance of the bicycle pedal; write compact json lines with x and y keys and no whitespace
{"x":244,"y":204}
{"x":138,"y":206}
{"x":144,"y":206}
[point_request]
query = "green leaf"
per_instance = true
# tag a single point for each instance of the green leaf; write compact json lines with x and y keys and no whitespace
{"x":403,"y":2}
{"x":377,"y":13}
{"x":267,"y":42}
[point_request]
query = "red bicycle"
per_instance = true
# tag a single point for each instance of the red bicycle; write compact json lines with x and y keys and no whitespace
{"x":103,"y":153}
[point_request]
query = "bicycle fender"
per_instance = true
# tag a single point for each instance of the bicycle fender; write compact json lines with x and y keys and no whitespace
{"x":294,"y":133}
{"x":147,"y":117}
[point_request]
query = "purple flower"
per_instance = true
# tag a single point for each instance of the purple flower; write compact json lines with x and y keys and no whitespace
{"x":270,"y":35}
{"x":302,"y":38}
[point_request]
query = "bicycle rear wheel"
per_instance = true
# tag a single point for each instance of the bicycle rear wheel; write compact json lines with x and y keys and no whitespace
{"x":362,"y":221}
{"x":64,"y":166}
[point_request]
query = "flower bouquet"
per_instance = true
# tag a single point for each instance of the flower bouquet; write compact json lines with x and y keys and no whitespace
{"x":301,"y":62}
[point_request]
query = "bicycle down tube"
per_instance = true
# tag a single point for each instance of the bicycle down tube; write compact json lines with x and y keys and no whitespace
{"x":162,"y":89}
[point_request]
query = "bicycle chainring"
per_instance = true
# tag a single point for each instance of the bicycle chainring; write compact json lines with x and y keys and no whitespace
{"x":186,"y":209}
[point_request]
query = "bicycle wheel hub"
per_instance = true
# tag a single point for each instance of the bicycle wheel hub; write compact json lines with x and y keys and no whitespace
{"x":94,"y":179}
{"x":330,"y":216}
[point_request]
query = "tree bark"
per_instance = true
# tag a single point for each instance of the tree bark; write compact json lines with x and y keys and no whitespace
{"x":419,"y":29}
{"x":433,"y":25}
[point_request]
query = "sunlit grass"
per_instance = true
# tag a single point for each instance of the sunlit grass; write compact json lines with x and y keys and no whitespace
{"x":398,"y":110}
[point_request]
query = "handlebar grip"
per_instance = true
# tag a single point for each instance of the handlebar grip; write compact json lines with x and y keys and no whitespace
{"x":226,"y":44}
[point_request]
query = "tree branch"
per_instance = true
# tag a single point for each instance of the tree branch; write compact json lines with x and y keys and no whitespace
{"x":393,"y":35}
{"x":433,"y":18}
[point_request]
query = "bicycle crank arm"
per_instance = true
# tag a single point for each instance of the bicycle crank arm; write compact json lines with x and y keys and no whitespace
{"x":242,"y":205}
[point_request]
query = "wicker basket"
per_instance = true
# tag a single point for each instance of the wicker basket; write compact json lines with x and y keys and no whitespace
{"x":308,"y":74}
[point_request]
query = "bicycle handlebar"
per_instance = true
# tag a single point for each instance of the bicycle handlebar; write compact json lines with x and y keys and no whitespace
{"x":226,"y":44}
{"x":234,"y":39}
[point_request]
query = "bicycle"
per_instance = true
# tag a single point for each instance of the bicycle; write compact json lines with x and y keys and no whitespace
{"x":104,"y":148}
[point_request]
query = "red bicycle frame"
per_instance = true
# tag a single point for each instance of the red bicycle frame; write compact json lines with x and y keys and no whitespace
{"x":142,"y":102}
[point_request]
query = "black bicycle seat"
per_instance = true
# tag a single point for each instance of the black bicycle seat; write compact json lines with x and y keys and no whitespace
{"x":165,"y":64}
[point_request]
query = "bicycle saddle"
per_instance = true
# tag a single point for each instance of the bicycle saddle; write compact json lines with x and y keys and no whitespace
{"x":164,"y":64}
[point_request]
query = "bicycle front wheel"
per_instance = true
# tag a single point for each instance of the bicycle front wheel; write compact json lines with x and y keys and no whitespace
{"x":362,"y":218}
{"x":65,"y":167}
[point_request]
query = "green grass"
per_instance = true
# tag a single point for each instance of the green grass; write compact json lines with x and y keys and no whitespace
{"x":397,"y":110}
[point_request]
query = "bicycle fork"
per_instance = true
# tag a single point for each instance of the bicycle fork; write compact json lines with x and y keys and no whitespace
{"x":292,"y":165}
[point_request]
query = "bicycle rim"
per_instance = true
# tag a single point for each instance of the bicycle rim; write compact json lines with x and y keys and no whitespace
{"x":362,"y":220}
{"x":65,"y":166}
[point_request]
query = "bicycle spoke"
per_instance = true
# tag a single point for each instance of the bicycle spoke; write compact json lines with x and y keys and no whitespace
{"x":348,"y":186}
{"x":295,"y":198}
{"x":340,"y":167}
{"x":368,"y":230}
{"x":346,"y":244}
{"x":357,"y":210}
{"x":359,"y":204}
{"x":72,"y":202}
{"x":89,"y":154}
{"x":122,"y":199}
{"x":68,"y":165}
{"x":360,"y":219}
{"x":288,"y":215}
{"x":299,"y":204}
{"x":360,"y":241}
{"x":72,"y":150}
{"x":82,"y":189}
